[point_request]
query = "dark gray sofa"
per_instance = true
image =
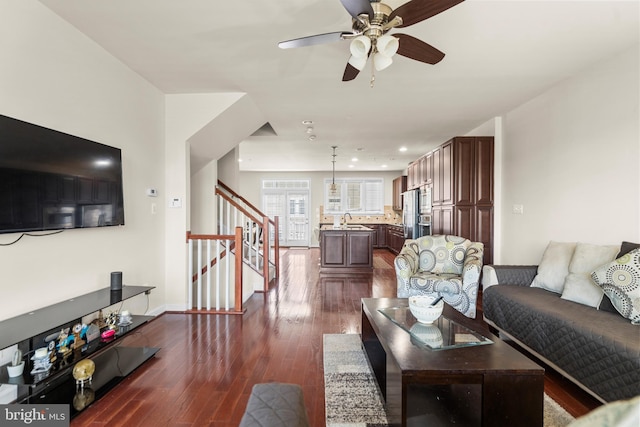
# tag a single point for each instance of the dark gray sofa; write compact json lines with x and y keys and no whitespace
{"x":598,"y":350}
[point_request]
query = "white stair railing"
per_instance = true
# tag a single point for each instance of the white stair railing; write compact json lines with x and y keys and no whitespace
{"x":235,"y":211}
{"x":208,"y":265}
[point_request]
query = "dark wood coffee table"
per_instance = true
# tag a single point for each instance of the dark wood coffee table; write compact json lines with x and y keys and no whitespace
{"x":488,"y":385}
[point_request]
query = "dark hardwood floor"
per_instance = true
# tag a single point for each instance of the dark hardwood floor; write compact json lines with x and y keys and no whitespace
{"x":208,"y":363}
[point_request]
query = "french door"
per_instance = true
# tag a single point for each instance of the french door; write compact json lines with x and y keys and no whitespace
{"x":288,"y":200}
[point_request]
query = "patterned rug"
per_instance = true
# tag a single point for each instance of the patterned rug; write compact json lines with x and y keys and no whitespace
{"x":351,"y":394}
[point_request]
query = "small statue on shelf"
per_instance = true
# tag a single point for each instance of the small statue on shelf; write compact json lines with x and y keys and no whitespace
{"x":100,"y":320}
{"x":52,"y":352}
{"x":64,"y":351}
{"x":112,"y":320}
{"x":83,"y":372}
{"x":78,"y":342}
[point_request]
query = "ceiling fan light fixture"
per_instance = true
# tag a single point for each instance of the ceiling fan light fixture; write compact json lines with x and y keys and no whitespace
{"x":381,"y":61}
{"x":387,"y":45}
{"x":360,"y":47}
{"x":358,"y":62}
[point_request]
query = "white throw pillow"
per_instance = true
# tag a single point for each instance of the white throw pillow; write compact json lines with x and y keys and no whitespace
{"x":554,"y":267}
{"x":578,"y":285}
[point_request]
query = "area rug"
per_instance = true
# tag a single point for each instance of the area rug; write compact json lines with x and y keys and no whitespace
{"x":351,"y":395}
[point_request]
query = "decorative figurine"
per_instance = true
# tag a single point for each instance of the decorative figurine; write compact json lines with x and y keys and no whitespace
{"x":78,"y":342}
{"x":83,"y":372}
{"x":52,"y":352}
{"x":100,"y":319}
{"x":62,"y":347}
{"x":112,"y":320}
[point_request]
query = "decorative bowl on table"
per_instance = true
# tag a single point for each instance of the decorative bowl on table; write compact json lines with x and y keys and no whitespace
{"x":428,"y":334}
{"x":423,"y":311}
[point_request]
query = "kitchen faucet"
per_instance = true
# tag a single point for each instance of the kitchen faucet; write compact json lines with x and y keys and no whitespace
{"x":344,"y":218}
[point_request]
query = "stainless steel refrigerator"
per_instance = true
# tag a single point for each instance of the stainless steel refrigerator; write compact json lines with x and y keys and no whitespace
{"x":411,"y":213}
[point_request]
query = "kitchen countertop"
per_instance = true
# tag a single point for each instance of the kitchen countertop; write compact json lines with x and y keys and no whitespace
{"x":349,"y":227}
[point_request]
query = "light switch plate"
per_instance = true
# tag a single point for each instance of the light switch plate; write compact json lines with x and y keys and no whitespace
{"x":517,"y":209}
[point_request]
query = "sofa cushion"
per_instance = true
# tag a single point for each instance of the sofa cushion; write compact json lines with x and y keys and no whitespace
{"x":578,"y":285}
{"x":627,"y":247}
{"x":443,"y":254}
{"x":598,"y":349}
{"x":605,"y":303}
{"x":554,"y":267}
{"x":432,"y":282}
{"x":620,"y":281}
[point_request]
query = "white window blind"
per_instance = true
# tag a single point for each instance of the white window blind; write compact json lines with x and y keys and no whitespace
{"x":356,"y":195}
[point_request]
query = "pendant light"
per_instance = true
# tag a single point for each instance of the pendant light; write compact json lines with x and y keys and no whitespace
{"x":333,"y":189}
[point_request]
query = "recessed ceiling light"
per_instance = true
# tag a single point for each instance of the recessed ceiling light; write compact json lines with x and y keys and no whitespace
{"x":350,"y":166}
{"x":312,"y":137}
{"x":239,"y":160}
{"x":403,"y":149}
{"x":354,"y":159}
{"x":310,"y":129}
{"x":384,"y":166}
{"x":307,"y":122}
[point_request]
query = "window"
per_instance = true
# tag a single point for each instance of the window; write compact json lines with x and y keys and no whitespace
{"x":356,"y":195}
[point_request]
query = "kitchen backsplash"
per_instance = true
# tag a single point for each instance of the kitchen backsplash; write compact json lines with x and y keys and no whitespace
{"x":389,"y":217}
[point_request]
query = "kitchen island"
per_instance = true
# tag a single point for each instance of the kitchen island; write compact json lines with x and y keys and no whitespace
{"x":346,"y":249}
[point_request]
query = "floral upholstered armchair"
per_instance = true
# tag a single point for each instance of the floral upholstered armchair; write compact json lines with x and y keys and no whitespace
{"x":448,"y":266}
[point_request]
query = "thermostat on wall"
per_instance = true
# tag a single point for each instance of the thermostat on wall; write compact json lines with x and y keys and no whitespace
{"x":152,"y":192}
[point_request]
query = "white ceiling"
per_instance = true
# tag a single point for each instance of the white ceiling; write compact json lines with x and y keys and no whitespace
{"x":498,"y":55}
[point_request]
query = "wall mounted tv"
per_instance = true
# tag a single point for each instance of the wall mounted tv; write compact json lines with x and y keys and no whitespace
{"x":50,"y":180}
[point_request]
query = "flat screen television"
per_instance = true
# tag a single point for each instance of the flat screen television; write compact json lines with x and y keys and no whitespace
{"x":50,"y":180}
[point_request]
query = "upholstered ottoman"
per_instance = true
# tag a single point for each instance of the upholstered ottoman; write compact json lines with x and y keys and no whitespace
{"x":275,"y":405}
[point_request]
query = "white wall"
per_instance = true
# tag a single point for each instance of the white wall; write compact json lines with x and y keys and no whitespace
{"x":572,"y":158}
{"x":54,"y":76}
{"x":203,"y":200}
{"x":187,"y":117}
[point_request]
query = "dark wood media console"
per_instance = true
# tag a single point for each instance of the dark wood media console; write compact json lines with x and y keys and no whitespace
{"x":113,"y":363}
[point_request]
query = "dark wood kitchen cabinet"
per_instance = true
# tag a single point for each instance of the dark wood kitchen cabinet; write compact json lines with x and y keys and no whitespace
{"x":347,"y":249}
{"x":378,"y":237}
{"x":395,"y":238}
{"x":413,"y":175}
{"x":426,"y":168}
{"x":462,"y":190}
{"x":473,"y":166}
{"x":399,"y":187}
{"x":442,"y":191}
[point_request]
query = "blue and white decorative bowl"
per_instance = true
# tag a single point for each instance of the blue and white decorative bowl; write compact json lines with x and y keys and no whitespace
{"x":428,"y":334}
{"x":423,"y":311}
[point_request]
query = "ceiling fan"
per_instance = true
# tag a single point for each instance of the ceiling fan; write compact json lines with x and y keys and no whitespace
{"x":371,"y":22}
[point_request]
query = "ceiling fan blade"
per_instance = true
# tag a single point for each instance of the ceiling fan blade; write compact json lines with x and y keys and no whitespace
{"x":415,"y":11}
{"x":358,"y":7}
{"x":414,"y":48}
{"x":313,"y":40}
{"x":350,"y":73}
